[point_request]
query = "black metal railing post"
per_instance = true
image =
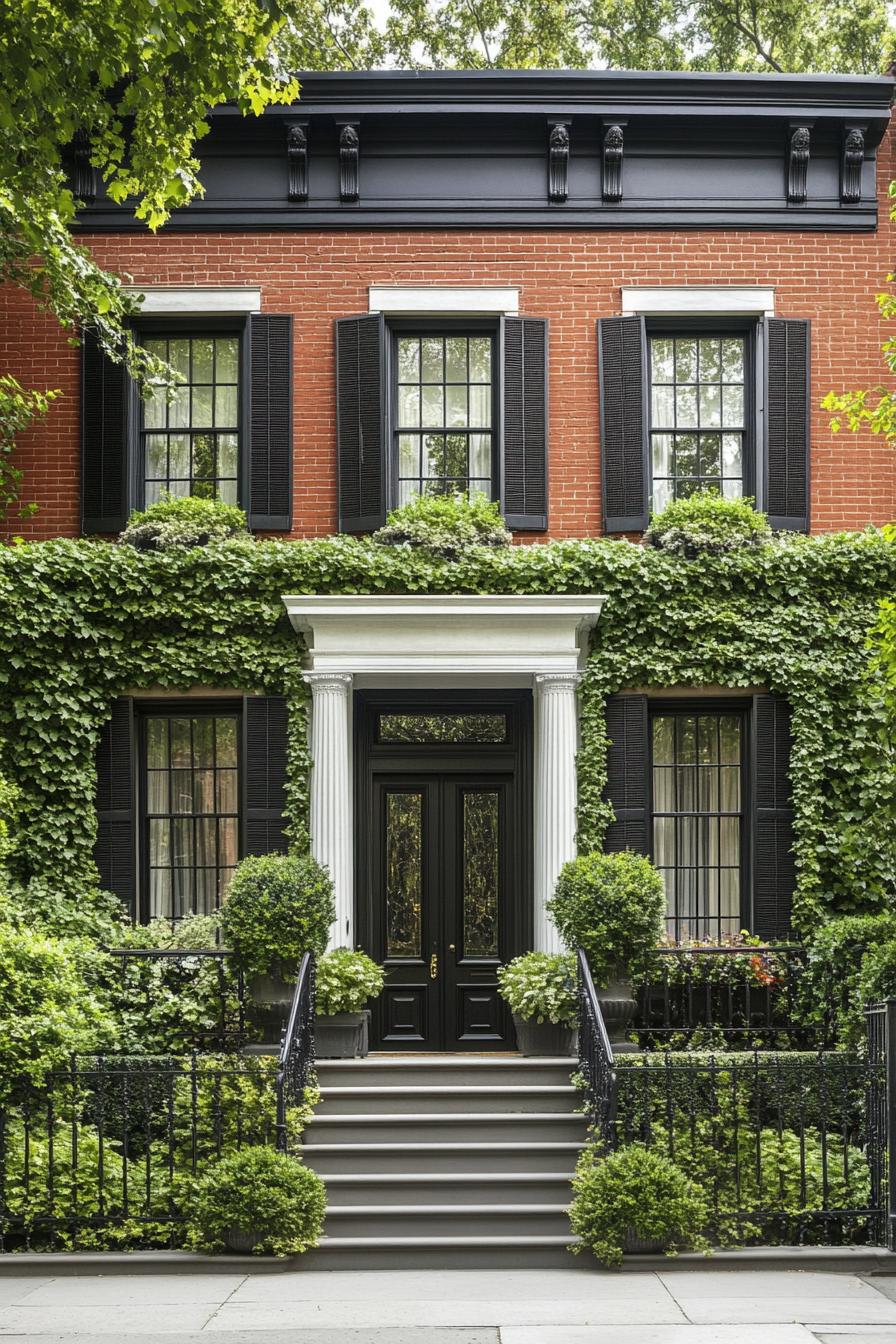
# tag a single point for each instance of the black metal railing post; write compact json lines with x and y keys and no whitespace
{"x":890,"y":1038}
{"x":596,"y":1061}
{"x":296,"y":1050}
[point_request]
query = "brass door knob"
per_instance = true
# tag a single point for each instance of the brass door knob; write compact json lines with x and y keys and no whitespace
{"x":451,"y":947}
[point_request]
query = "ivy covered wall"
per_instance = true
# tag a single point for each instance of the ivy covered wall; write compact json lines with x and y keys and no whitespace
{"x":82,"y":622}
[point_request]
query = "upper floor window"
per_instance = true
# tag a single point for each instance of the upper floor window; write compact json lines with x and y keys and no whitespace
{"x":697,"y":415}
{"x":190,"y":445}
{"x":443,"y":415}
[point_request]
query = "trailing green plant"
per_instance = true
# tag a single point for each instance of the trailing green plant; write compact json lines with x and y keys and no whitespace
{"x":52,"y":1004}
{"x":634,"y":1191}
{"x":445,"y":525}
{"x":707,"y":523}
{"x":611,"y":906}
{"x":838,"y":976}
{"x":278,"y":907}
{"x":346,"y":980}
{"x":82,"y":622}
{"x":541,"y":986}
{"x":182,"y":522}
{"x":268,"y":1196}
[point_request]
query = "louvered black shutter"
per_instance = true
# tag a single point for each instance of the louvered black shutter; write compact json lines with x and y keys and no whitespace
{"x":264,"y":764}
{"x":105,"y":392}
{"x":116,"y":839}
{"x":628,"y":783}
{"x":270,"y":423}
{"x":360,"y":422}
{"x":774,"y":873}
{"x":787,"y":423}
{"x":622,"y":345}
{"x":524,"y":444}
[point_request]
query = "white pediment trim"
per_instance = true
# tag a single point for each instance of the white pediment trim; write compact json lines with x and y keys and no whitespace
{"x":196,"y":300}
{"x":444,"y":300}
{"x":445,"y":637}
{"x":698,"y":301}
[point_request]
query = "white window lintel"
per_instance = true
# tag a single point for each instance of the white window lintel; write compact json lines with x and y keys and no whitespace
{"x":443,"y":300}
{"x":698,"y":301}
{"x":196,"y":300}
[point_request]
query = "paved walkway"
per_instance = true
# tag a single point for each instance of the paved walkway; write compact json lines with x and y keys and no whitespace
{"x":454,"y":1307}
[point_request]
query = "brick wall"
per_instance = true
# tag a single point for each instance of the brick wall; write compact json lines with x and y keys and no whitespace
{"x":570,"y":278}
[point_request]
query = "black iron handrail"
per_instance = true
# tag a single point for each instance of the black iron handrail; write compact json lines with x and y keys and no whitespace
{"x":596,"y":1062}
{"x":296,"y":1049}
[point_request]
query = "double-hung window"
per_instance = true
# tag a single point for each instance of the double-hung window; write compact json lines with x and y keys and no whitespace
{"x":443,"y":414}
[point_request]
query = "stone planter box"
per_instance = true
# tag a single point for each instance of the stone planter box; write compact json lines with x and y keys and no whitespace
{"x":544,"y":1038}
{"x":342,"y":1035}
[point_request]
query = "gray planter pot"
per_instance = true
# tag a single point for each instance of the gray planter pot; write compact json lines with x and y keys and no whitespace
{"x":342,"y":1035}
{"x":618,"y":1009}
{"x":632,"y":1244}
{"x":272,"y":997}
{"x":544,"y":1038}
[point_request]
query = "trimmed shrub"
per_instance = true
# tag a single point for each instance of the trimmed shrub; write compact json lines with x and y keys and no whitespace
{"x":445,"y":525}
{"x":261,"y":1196}
{"x":278,"y":907}
{"x":612,"y":906}
{"x":706,"y":523}
{"x":345,"y":980}
{"x":541,"y":986}
{"x":180,"y":523}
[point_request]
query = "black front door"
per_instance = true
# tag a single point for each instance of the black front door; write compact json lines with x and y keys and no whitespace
{"x":443,"y":874}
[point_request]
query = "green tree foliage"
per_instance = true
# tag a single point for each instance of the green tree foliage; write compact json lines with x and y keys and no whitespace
{"x":136,"y":78}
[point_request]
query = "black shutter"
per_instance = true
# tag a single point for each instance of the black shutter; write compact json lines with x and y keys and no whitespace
{"x":116,"y":839}
{"x":787,"y":416}
{"x":524,"y":442}
{"x":622,"y":363}
{"x":105,"y":391}
{"x":628,"y":782}
{"x":360,"y":422}
{"x":774,"y":872}
{"x":264,"y":765}
{"x":270,"y":423}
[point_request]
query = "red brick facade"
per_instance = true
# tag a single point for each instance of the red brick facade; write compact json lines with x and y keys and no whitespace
{"x":569,"y":278}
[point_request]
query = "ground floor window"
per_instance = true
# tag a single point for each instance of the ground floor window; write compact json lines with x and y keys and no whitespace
{"x":697,"y":804}
{"x":190,"y":797}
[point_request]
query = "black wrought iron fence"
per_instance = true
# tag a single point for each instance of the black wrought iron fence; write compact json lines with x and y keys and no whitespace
{"x":105,"y":1152}
{"x":880,"y":1020}
{"x":596,"y":1062}
{"x":195,"y":998}
{"x":296,"y":1060}
{"x":778,"y":1141}
{"x":731,"y":994}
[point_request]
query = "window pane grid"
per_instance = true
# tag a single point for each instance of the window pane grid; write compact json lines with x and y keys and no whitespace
{"x":192,"y":809}
{"x":697,"y":821}
{"x":443,"y":415}
{"x":697,"y":415}
{"x":191,"y":443}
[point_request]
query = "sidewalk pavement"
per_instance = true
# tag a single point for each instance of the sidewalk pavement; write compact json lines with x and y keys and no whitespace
{"x":453,"y":1307}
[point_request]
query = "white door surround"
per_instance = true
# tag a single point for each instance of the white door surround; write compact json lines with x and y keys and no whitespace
{"x":445,"y":642}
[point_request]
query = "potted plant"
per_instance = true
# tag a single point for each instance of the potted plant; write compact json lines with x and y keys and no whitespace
{"x":345,"y":981}
{"x":278,"y":907}
{"x":612,"y":907}
{"x":635,"y":1201}
{"x":257,"y":1201}
{"x":540,"y":990}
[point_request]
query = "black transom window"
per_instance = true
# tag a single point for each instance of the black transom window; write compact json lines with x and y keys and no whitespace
{"x":190,"y":444}
{"x":697,"y":819}
{"x":191,"y":810}
{"x":697,"y":414}
{"x":443,"y":415}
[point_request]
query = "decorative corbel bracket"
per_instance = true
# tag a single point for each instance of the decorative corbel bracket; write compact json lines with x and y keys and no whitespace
{"x":851,"y":163}
{"x":84,"y":177}
{"x":612,"y":153}
{"x":297,"y":159}
{"x":349,"y":155}
{"x":558,"y":160}
{"x":798,"y":148}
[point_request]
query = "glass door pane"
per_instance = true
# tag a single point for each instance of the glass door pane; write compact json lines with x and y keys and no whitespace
{"x":404,"y":873}
{"x":481,"y":866}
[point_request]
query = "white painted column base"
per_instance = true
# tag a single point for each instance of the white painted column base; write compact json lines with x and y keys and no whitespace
{"x":331,"y":793}
{"x":556,"y":739}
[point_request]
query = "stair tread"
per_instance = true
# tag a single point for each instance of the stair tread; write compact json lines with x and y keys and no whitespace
{"x":453,"y":1090}
{"x":536,"y":1146}
{"x":399,"y":1242}
{"x":445,"y":1177}
{"x":427,"y":1117}
{"x":451,"y":1062}
{"x":442,"y":1210}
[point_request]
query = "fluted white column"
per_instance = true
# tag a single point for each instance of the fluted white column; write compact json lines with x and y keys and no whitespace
{"x":331,"y":793}
{"x":556,"y":737}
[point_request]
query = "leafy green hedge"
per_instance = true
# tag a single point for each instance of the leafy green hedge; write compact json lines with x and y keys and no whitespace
{"x":82,"y":622}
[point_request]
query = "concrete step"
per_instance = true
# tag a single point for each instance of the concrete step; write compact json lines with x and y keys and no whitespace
{"x":459,"y":1252}
{"x":442,"y":1070}
{"x":470,"y":1127}
{"x":447,"y":1100}
{"x":393,"y":1159}
{"x":447,"y":1220}
{"x":411,"y":1188}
